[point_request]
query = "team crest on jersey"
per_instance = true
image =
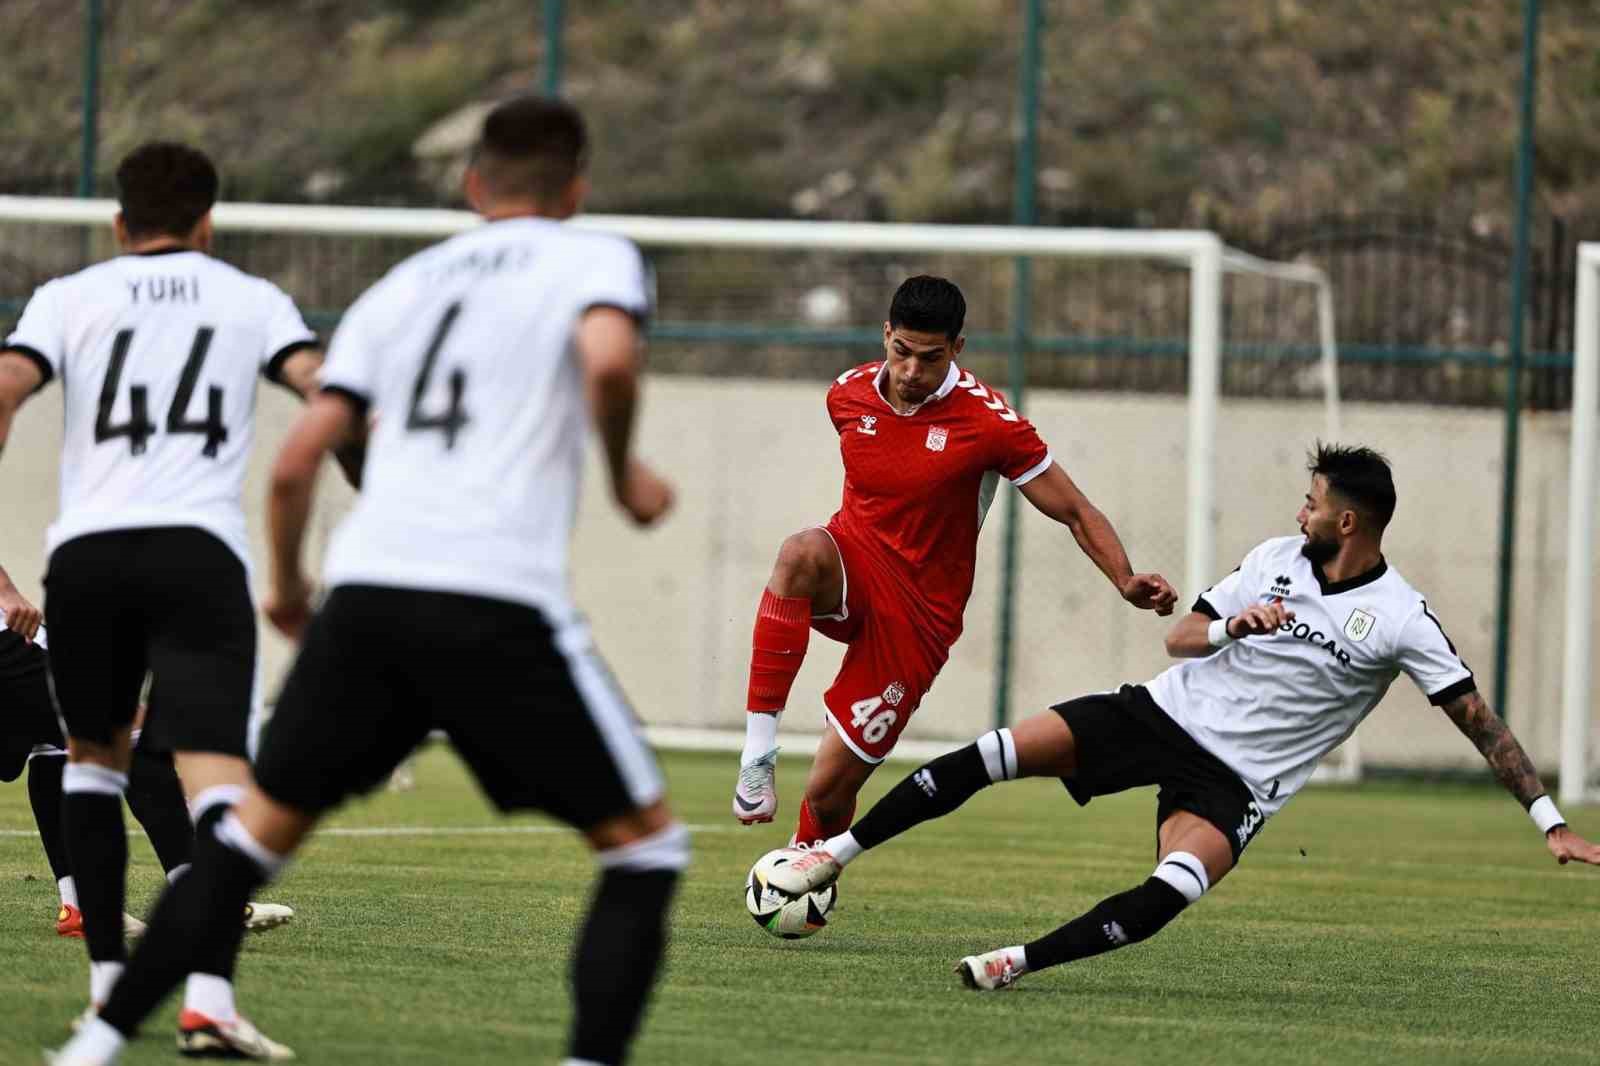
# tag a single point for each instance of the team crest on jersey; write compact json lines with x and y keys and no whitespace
{"x":1358,"y":625}
{"x":937,"y":436}
{"x":869,"y":425}
{"x":894,"y":694}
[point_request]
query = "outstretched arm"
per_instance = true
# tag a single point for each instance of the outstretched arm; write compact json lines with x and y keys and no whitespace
{"x":1197,"y":635}
{"x":327,"y":421}
{"x":300,"y":374}
{"x":1054,"y":495}
{"x":1514,"y":770}
{"x":19,"y":377}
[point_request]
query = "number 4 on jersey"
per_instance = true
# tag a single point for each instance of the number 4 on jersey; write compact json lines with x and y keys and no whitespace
{"x":453,"y":417}
{"x":138,"y":428}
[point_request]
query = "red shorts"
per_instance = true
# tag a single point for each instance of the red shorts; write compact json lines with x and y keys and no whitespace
{"x":890,"y":662}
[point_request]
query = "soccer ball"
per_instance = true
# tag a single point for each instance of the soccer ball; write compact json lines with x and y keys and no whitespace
{"x":779,"y":913}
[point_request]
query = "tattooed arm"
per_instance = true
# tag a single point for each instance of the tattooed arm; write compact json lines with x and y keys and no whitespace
{"x":1514,"y":769}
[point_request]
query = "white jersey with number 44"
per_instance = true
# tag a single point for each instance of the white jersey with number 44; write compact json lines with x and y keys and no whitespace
{"x":159,"y":355}
{"x":464,"y":354}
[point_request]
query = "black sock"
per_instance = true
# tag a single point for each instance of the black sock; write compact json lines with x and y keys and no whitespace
{"x":44,"y":795}
{"x":933,"y":791}
{"x":156,"y":799}
{"x":616,"y":961}
{"x":1125,"y":918}
{"x":219,"y":953}
{"x":97,"y":848}
{"x":197,"y":913}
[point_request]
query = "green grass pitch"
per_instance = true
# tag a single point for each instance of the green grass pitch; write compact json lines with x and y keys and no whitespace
{"x":1386,"y":924}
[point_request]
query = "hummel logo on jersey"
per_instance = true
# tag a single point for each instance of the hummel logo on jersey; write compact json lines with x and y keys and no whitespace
{"x":894,"y":694}
{"x":869,"y":425}
{"x":937,"y":435}
{"x":924,"y":781}
{"x":1280,"y":586}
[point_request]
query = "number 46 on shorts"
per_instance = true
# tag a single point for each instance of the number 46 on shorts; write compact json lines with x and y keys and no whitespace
{"x":873,"y":723}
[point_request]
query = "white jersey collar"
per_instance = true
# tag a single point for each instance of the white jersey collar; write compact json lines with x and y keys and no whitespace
{"x":951,"y":376}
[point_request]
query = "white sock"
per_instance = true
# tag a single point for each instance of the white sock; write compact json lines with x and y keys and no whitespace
{"x":95,"y":1042}
{"x":1019,"y":958}
{"x":102,"y":978}
{"x":210,"y":995}
{"x":842,"y":847}
{"x":177,"y":872}
{"x":69,"y":891}
{"x":760,"y":735}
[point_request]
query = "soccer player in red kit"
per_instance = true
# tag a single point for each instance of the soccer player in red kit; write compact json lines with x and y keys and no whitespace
{"x":924,"y":445}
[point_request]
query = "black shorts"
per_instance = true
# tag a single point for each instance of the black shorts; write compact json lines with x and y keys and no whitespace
{"x":1124,"y":740}
{"x":173,"y":601}
{"x":27,"y":717}
{"x":531,"y":709}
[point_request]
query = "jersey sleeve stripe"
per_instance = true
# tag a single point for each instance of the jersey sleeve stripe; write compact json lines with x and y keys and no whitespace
{"x":640,"y":315}
{"x":38,"y":359}
{"x":1440,"y":627}
{"x":351,"y":396}
{"x":273,"y":370}
{"x":1454,"y":691}
{"x":1034,"y":471}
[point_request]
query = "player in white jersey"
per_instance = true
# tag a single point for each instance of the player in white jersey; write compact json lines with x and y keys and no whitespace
{"x":148,"y":559}
{"x":448,"y":604}
{"x":1286,"y":656}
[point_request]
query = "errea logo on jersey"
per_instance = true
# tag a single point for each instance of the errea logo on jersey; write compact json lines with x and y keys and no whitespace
{"x":869,"y":425}
{"x":1280,"y":585}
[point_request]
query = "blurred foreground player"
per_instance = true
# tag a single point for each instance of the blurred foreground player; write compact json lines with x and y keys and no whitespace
{"x":448,"y":604}
{"x":1288,"y":654}
{"x":149,"y":556}
{"x":924,"y":446}
{"x":30,"y":735}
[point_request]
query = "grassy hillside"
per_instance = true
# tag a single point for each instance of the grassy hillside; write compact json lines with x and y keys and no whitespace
{"x":1230,"y":112}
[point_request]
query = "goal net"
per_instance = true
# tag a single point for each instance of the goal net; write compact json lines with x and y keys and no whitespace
{"x":1180,"y":381}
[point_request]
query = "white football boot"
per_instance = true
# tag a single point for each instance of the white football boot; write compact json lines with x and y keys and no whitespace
{"x":202,"y":1037}
{"x":808,"y":869}
{"x":755,"y":797}
{"x":992,"y":971}
{"x":259,"y":917}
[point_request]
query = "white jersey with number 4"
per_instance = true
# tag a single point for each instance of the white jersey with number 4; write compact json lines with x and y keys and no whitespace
{"x":158,"y":355}
{"x":1271,"y":706}
{"x":464,"y":353}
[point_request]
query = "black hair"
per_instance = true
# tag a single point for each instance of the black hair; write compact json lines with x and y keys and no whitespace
{"x":164,"y":189}
{"x":532,"y":146}
{"x":1358,"y":474}
{"x":928,"y":305}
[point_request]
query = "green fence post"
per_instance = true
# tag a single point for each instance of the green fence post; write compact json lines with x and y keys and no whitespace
{"x":1519,"y":281}
{"x":91,"y":99}
{"x":1023,"y":214}
{"x":554,"y":45}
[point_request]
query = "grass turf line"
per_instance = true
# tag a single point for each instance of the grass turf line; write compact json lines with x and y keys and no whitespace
{"x":1421,"y":924}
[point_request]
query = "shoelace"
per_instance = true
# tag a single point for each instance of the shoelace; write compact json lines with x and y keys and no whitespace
{"x":758,"y":774}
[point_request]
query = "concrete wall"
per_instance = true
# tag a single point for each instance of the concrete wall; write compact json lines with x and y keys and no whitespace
{"x":755,"y":461}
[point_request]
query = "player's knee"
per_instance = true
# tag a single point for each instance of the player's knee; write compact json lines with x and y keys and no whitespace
{"x":1184,"y":872}
{"x":801,"y":563}
{"x":999,"y":753}
{"x":666,"y":849}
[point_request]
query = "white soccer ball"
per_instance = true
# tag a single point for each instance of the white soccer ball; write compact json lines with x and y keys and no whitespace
{"x":779,"y":913}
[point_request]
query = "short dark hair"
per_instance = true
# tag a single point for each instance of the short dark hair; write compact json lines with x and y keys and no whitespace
{"x":928,"y":305}
{"x":164,"y":189}
{"x":532,"y":146}
{"x":1358,"y":474}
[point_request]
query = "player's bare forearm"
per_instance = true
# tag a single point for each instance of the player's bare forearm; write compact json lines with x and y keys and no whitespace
{"x":1188,"y":639}
{"x":1499,"y":748}
{"x":608,"y":347}
{"x":19,"y":377}
{"x":1054,"y":495}
{"x":328,"y":420}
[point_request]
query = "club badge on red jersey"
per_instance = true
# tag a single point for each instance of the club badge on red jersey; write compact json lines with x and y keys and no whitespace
{"x":937,"y":436}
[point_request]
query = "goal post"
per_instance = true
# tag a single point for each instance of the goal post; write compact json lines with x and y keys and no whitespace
{"x":1150,"y":309}
{"x":1578,"y":666}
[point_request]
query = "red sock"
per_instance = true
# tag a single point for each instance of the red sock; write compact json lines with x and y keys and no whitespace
{"x":778,"y":647}
{"x":811,"y":828}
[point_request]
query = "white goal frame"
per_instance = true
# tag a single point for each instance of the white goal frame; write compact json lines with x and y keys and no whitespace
{"x":1577,"y":666}
{"x":1202,"y":252}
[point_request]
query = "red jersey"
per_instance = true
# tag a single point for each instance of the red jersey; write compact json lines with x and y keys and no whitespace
{"x":917,"y":485}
